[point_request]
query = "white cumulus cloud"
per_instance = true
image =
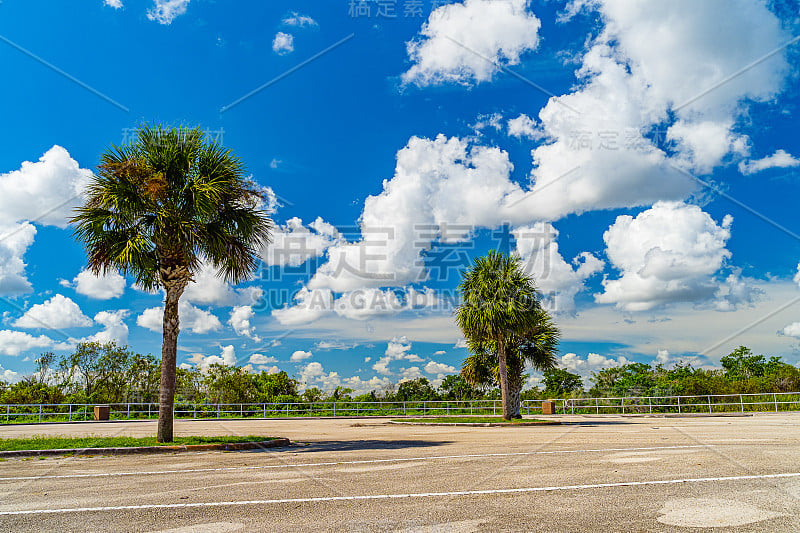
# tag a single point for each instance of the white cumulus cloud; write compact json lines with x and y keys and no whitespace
{"x":240,"y":322}
{"x":300,"y":355}
{"x":466,"y":42}
{"x":58,"y":312}
{"x":103,"y":287}
{"x":592,"y":363}
{"x":9,"y":376}
{"x":208,"y":288}
{"x":397,"y":349}
{"x":114,"y":327}
{"x":44,"y":192}
{"x":368,"y":303}
{"x":15,"y":239}
{"x":261,"y":359}
{"x":192,"y":318}
{"x":524,"y":126}
{"x":165,"y":11}
{"x":16,"y":342}
{"x":296,"y":19}
{"x":293,"y":243}
{"x":792,"y":330}
{"x":439,"y":368}
{"x":668,"y":253}
{"x":557,"y":280}
{"x":441,"y":182}
{"x":654,"y":63}
{"x":310,"y":305}
{"x":226,"y":357}
{"x":283,"y":43}
{"x":780,"y":159}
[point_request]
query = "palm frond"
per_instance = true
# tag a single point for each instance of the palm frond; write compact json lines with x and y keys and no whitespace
{"x":171,"y":198}
{"x":499,"y":304}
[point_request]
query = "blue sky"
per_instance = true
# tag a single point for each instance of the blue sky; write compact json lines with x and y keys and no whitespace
{"x":641,"y":158}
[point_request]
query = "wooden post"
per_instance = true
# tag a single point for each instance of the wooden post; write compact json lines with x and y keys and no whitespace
{"x":101,"y":412}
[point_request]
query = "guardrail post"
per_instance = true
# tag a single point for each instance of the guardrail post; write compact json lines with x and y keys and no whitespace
{"x":334,"y":409}
{"x":8,"y":409}
{"x":679,"y":405}
{"x":775,"y":399}
{"x":597,"y":405}
{"x":709,"y":404}
{"x":70,"y":413}
{"x":149,"y":406}
{"x":741,"y":402}
{"x":40,"y":413}
{"x":650,"y":404}
{"x":622,"y":403}
{"x":217,"y":410}
{"x":287,"y":410}
{"x":357,"y":405}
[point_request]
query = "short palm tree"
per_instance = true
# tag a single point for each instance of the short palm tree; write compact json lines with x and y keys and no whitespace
{"x":537,"y":347}
{"x":498,"y":315}
{"x":161,"y":206}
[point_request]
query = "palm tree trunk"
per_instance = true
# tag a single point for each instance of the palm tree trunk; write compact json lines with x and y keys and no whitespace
{"x":515,"y":396}
{"x":173,"y":286}
{"x":503,"y":371}
{"x":514,"y":402}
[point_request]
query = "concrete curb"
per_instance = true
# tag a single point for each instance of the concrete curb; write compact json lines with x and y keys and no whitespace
{"x":479,"y":424}
{"x":236,"y":446}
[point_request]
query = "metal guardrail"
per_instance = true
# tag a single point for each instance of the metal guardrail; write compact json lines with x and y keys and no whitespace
{"x":715,"y":403}
{"x":41,"y":413}
{"x":708,"y":403}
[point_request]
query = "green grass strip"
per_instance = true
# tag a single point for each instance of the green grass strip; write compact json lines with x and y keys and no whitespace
{"x":52,"y":443}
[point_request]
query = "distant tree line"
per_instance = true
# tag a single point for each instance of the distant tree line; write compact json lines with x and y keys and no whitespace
{"x":108,"y":373}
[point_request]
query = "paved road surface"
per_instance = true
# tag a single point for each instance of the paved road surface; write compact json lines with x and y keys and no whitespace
{"x":607,"y":473}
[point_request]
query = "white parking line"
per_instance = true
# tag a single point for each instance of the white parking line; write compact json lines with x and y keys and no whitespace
{"x":394,"y":496}
{"x":337,"y":463}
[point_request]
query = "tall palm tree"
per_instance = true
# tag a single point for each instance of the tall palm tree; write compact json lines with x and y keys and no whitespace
{"x":499,"y":310}
{"x":537,"y":347}
{"x":161,"y":206}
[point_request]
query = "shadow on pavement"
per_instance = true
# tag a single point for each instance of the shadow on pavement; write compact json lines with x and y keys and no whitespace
{"x":595,"y":422}
{"x":352,"y":445}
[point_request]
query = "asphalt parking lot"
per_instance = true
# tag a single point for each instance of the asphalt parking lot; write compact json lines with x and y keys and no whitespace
{"x":607,"y":473}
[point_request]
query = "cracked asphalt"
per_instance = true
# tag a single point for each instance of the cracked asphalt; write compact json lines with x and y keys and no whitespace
{"x":593,"y":473}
